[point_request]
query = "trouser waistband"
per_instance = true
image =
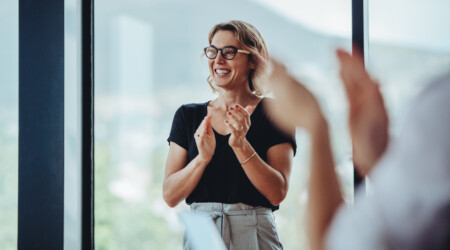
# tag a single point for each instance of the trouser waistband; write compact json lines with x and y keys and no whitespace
{"x":229,"y":209}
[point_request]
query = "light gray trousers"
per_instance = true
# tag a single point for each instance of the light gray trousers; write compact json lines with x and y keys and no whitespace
{"x":241,"y":226}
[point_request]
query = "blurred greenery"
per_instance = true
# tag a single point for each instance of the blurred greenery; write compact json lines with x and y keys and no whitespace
{"x":130,"y":225}
{"x":9,"y":55}
{"x":8,"y":185}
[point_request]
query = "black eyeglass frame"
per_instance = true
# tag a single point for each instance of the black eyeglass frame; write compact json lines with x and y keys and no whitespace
{"x":235,"y":51}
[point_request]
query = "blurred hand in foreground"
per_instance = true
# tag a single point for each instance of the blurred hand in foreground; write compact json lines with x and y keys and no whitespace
{"x":368,"y":118}
{"x":294,"y":104}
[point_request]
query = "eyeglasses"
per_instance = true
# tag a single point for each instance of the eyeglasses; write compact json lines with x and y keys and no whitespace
{"x":228,"y":52}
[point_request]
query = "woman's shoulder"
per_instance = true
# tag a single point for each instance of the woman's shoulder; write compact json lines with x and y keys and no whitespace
{"x":193,"y":108}
{"x":195,"y":105}
{"x":262,"y":107}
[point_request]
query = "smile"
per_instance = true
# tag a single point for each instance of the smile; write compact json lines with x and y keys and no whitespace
{"x":222,"y":72}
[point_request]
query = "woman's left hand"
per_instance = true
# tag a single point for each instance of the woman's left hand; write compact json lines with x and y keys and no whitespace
{"x":238,"y":121}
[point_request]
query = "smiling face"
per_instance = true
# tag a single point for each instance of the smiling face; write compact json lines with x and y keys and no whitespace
{"x":229,"y":74}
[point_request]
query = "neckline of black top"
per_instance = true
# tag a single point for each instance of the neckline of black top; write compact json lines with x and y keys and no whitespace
{"x":205,"y":112}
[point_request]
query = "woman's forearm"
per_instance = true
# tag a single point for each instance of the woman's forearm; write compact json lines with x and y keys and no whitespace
{"x":267,"y":180}
{"x":324,"y":191}
{"x":180,"y":185}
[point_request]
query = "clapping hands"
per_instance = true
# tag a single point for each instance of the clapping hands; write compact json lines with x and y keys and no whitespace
{"x":205,"y":139}
{"x":238,"y":122}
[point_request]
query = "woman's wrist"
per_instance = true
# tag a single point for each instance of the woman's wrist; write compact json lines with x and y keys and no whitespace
{"x":244,"y":152}
{"x":202,"y":161}
{"x":248,"y":159}
{"x":243,"y":147}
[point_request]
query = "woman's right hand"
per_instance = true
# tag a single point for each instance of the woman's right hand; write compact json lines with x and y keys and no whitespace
{"x":205,"y":139}
{"x":181,"y":177}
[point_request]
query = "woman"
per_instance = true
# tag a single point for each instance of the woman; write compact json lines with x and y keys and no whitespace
{"x":226,"y":158}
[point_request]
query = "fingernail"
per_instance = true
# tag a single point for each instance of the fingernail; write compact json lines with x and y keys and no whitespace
{"x":237,"y":106}
{"x":229,"y":113}
{"x":231,"y":108}
{"x":226,"y":121}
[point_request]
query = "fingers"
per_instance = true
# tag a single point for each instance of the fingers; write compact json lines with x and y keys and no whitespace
{"x":232,"y":120}
{"x":279,"y":77}
{"x":203,"y":128}
{"x":377,"y":93}
{"x":357,"y":54}
{"x":354,"y":77}
{"x":380,"y":100}
{"x":352,"y":67}
{"x":243,"y":114}
{"x":232,"y":128}
{"x":347,"y":71}
{"x":239,"y":118}
{"x":208,"y":125}
{"x":276,"y":68}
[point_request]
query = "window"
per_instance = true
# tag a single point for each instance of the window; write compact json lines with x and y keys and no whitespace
{"x":147,"y":64}
{"x":72,"y":126}
{"x":408,"y":47}
{"x":9,"y":55}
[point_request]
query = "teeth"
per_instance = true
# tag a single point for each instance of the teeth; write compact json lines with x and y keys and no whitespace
{"x":222,"y":72}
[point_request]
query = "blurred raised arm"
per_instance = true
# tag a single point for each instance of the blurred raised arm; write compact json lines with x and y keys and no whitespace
{"x":368,"y":118}
{"x":295,"y":105}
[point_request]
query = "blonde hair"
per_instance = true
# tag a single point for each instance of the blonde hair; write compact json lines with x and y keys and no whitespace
{"x":249,"y":39}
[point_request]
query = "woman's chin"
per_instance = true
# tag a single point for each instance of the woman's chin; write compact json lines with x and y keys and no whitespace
{"x":221,"y":83}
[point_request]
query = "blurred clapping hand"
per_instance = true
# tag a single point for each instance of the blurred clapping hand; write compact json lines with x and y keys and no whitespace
{"x":368,"y":119}
{"x":295,"y":105}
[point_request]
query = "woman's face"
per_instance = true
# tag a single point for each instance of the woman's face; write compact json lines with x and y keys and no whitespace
{"x":229,"y":74}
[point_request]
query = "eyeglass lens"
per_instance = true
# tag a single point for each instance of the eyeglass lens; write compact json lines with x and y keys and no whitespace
{"x":227,"y":52}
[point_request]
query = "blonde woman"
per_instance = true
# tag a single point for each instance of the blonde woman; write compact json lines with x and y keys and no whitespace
{"x":226,"y":158}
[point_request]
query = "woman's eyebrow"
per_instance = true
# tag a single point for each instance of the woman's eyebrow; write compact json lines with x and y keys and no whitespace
{"x":212,"y":45}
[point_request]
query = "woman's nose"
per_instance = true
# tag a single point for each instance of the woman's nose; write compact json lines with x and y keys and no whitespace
{"x":219,"y":57}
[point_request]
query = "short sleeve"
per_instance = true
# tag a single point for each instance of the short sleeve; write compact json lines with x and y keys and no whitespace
{"x":178,"y":132}
{"x":276,"y":136}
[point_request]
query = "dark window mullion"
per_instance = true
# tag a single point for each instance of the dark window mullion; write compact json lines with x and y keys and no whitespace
{"x":358,"y":36}
{"x":87,"y":60}
{"x":41,"y":125}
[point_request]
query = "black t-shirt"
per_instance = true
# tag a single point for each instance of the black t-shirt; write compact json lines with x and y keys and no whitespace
{"x":224,"y":180}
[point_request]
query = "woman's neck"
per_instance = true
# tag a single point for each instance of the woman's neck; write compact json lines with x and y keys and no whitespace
{"x":231,"y":98}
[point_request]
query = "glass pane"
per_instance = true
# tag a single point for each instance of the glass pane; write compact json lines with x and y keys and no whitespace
{"x":72,"y":126}
{"x":9,"y":82}
{"x":148,"y":64}
{"x":408,"y":46}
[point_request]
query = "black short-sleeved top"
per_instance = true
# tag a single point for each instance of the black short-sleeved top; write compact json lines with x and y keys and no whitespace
{"x":224,"y":180}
